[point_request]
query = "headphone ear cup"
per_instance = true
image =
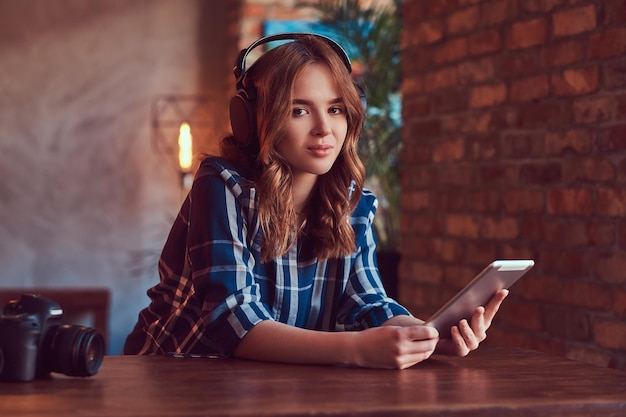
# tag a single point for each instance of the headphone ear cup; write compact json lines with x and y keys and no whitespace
{"x":242,"y":117}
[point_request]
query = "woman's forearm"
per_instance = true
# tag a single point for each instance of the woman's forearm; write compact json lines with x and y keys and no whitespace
{"x":278,"y":342}
{"x":392,"y":346}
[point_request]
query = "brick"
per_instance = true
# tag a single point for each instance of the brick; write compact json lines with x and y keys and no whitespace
{"x":540,"y":173}
{"x":484,"y":42}
{"x":610,"y":43}
{"x":449,"y":100}
{"x":621,"y":170}
{"x":575,"y":140}
{"x":520,"y":314}
{"x":563,"y":53}
{"x":586,"y":295}
{"x":450,"y":200}
{"x":543,"y":114}
{"x":421,"y":247}
{"x":456,"y":276}
{"x":463,"y":21}
{"x":480,"y":253}
{"x":438,"y":7}
{"x":574,"y":21}
{"x":449,"y":150}
{"x":502,"y":118}
{"x":614,"y":12}
{"x":413,"y":84}
{"x":502,"y":228}
{"x":462,"y":225}
{"x":530,"y":88}
{"x":516,"y":250}
{"x":548,"y":345}
{"x":523,"y":201}
{"x":543,"y":230}
{"x":610,"y":267}
{"x":611,"y":202}
{"x":415,"y":107}
{"x":521,"y":145}
{"x":615,"y":74}
{"x":600,"y":233}
{"x":417,"y":60}
{"x":498,"y":174}
{"x":572,"y":82}
{"x":570,"y":201}
{"x":567,"y":323}
{"x":540,"y":6}
{"x":471,"y":72}
{"x":443,"y":78}
{"x":423,"y":33}
{"x":479,"y":122}
{"x":620,"y":107}
{"x":426,"y":128}
{"x":414,"y":11}
{"x":457,"y":175}
{"x":484,"y":201}
{"x":612,"y":139}
{"x":424,"y":272}
{"x":450,"y":51}
{"x":518,"y":62}
{"x":414,"y":156}
{"x":488,"y":95}
{"x":592,"y":110}
{"x":619,"y":302}
{"x":452,"y":124}
{"x":415,"y":200}
{"x":610,"y":333}
{"x":526,"y":34}
{"x":420,"y":223}
{"x":593,"y":356}
{"x":566,"y":262}
{"x":482,"y":146}
{"x":573,"y":233}
{"x":538,"y":287}
{"x":497,"y":12}
{"x":588,"y":169}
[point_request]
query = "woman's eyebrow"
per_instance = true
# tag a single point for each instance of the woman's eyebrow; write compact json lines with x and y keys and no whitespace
{"x":309,"y":102}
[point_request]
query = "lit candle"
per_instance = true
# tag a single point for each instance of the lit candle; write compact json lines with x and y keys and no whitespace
{"x":185,"y":147}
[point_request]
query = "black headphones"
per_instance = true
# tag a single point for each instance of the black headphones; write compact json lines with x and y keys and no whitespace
{"x":242,"y":105}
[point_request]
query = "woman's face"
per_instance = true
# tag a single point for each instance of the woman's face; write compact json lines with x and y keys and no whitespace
{"x":317,"y":126}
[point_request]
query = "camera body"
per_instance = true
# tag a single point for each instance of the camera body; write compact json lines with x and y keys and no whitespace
{"x":34,"y":342}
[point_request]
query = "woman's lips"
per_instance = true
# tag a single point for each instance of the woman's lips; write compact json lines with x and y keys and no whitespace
{"x":320,"y":150}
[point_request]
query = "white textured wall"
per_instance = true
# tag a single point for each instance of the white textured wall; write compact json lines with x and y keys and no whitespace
{"x":84,"y":200}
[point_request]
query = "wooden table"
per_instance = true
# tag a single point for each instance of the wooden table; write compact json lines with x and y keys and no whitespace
{"x":489,"y":382}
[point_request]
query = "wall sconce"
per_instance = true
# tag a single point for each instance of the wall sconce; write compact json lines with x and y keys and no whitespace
{"x":175,"y":119}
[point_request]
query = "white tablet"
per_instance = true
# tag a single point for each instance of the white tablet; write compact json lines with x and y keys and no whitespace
{"x":496,"y":276}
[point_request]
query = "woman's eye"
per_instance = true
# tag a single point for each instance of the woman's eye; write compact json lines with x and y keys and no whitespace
{"x":336,"y":110}
{"x":298,"y":112}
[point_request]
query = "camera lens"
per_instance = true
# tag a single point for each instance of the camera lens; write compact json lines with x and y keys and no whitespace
{"x":74,"y":350}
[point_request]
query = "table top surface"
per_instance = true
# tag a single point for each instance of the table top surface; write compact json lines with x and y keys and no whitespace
{"x":489,"y":382}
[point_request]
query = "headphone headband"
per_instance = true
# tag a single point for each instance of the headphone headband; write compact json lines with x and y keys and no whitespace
{"x":240,"y":65}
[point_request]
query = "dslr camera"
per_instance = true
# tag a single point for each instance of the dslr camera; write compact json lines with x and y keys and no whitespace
{"x":34,"y":342}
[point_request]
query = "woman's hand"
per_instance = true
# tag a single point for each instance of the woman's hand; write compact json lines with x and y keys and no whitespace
{"x":392,"y":346}
{"x":467,"y":336}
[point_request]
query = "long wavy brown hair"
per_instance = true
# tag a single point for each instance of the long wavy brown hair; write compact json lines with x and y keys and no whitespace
{"x":337,"y":192}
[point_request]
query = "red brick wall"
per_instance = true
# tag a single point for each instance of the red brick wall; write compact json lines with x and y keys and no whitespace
{"x":515,"y":147}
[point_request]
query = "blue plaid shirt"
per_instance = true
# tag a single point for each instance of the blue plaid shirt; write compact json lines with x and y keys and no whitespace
{"x":214,"y":289}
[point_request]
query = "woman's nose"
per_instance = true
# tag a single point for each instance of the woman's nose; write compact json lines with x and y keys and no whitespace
{"x":322,"y":126}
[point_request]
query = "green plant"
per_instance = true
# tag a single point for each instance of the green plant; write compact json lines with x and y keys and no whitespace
{"x":371,"y":36}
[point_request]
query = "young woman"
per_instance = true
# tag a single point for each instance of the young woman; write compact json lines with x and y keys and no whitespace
{"x":272,"y":256}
